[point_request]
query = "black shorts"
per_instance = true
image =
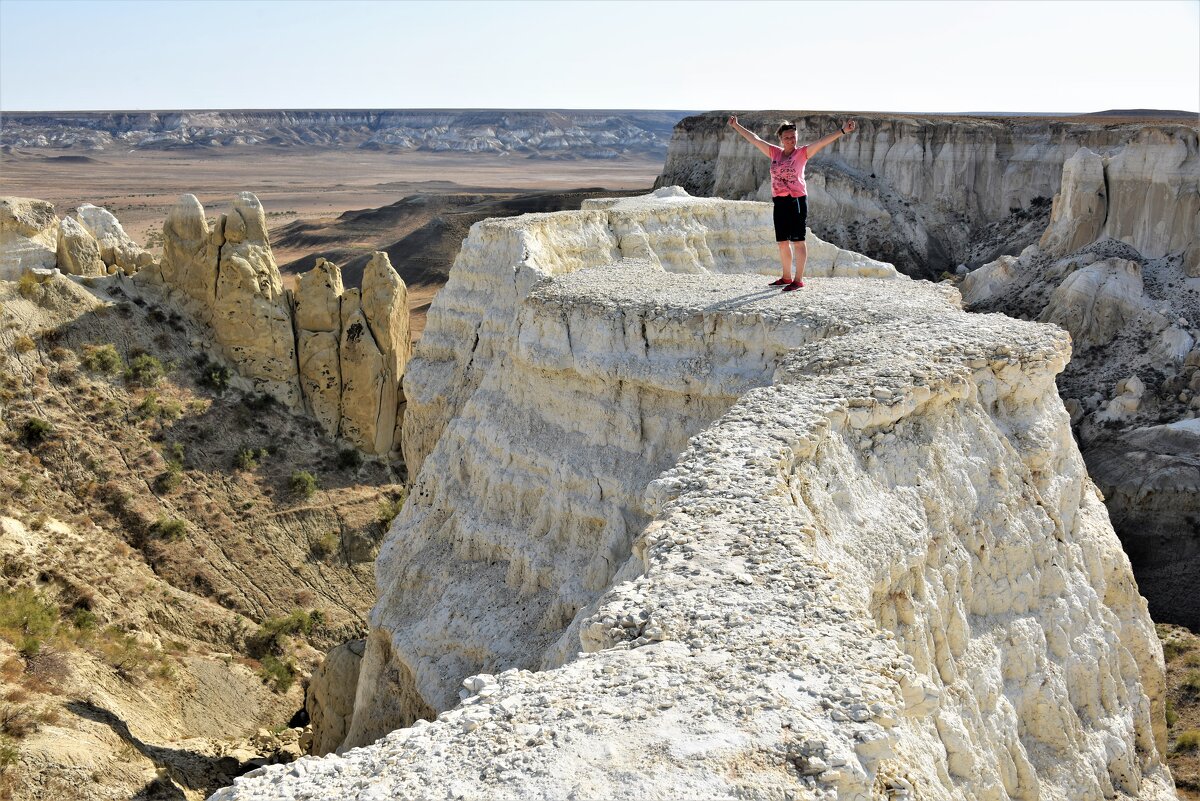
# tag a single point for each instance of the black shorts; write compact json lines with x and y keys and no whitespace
{"x":791,"y":215}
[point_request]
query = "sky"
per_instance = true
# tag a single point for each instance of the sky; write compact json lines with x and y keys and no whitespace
{"x":1014,"y":56}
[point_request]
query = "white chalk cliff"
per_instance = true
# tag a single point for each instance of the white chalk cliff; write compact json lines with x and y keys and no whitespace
{"x":699,"y":539}
{"x":1118,"y":267}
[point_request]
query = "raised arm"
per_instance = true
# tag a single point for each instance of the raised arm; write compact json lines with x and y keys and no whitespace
{"x":750,"y":136}
{"x":815,"y":147}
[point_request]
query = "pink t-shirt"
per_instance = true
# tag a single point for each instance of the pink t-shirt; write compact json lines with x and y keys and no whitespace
{"x":787,"y":173}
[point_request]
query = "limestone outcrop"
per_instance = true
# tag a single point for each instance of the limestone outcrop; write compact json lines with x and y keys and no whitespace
{"x":835,"y":543}
{"x":321,"y":349}
{"x":929,"y":193}
{"x":330,"y":698}
{"x":78,"y":253}
{"x":117,"y":250}
{"x":28,"y":236}
{"x":1131,"y":302}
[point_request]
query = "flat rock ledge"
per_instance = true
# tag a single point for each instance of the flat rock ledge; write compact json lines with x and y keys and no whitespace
{"x":879,"y":571}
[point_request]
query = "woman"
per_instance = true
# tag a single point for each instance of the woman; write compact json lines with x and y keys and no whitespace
{"x":789,"y":194}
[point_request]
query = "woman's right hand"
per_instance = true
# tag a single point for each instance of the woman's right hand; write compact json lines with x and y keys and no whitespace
{"x":733,"y":120}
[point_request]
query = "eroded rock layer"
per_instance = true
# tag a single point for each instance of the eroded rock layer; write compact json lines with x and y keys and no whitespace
{"x":837,"y":543}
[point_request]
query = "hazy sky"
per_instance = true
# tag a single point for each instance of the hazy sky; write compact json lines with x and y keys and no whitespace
{"x":862,"y":56}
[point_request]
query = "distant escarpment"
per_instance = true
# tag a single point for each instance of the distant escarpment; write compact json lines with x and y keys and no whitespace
{"x":1118,"y":267}
{"x":591,"y":134}
{"x":929,"y":193}
{"x":674,"y":534}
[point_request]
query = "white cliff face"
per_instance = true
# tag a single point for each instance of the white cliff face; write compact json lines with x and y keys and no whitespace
{"x":1117,"y":268}
{"x":831,"y":544}
{"x":921,"y":191}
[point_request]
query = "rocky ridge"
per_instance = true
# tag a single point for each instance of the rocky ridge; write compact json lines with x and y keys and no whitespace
{"x":877,"y":568}
{"x":925,"y":192}
{"x":596,"y":134}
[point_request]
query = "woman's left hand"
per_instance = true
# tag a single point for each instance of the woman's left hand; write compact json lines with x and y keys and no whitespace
{"x":850,"y":127}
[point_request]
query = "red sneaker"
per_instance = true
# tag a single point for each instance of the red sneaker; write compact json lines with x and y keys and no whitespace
{"x":779,"y":282}
{"x":793,"y":286}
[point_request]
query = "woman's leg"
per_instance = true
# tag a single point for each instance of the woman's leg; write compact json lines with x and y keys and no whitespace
{"x":801,"y":249}
{"x":785,"y":259}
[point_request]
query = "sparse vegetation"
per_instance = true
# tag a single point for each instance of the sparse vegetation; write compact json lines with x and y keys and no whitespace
{"x":1173,"y":648}
{"x":101,"y":358}
{"x":271,"y":637}
{"x":1191,"y":683}
{"x":29,"y":285}
{"x":1188,"y":740}
{"x":325,"y":545}
{"x":277,"y":673}
{"x":35,"y":431}
{"x":302,"y":484}
{"x":212,"y":375}
{"x":389,"y":509}
{"x":170,"y":529}
{"x":23,"y":344}
{"x":349,"y":459}
{"x":248,"y":458}
{"x":144,"y":370}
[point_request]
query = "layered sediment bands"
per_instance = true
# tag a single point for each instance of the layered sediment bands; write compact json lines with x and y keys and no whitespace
{"x":877,"y":566}
{"x":920,"y":190}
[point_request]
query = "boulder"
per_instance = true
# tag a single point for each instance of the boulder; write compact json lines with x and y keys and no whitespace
{"x":78,"y":252}
{"x":989,"y":281}
{"x":330,"y":699}
{"x":28,"y":236}
{"x":1098,"y":302}
{"x":116,"y":248}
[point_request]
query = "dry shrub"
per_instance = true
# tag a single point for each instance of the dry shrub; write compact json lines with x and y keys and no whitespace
{"x":17,"y":720}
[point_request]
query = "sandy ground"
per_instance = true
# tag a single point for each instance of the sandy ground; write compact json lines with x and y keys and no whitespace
{"x":318,"y":184}
{"x":141,"y":186}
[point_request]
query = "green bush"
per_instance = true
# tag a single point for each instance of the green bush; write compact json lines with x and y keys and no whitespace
{"x":212,"y":375}
{"x":349,"y":459}
{"x":144,"y":370}
{"x":35,"y":431}
{"x":9,"y":753}
{"x":388,"y":510}
{"x":326,"y":545}
{"x":169,"y":529}
{"x":26,"y":620}
{"x":1173,"y":648}
{"x":276,"y":673}
{"x":83,"y":619}
{"x":101,"y":358}
{"x":271,"y":637}
{"x":30,"y":285}
{"x":169,"y":480}
{"x":302,"y":483}
{"x":1188,"y":740}
{"x":249,"y":458}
